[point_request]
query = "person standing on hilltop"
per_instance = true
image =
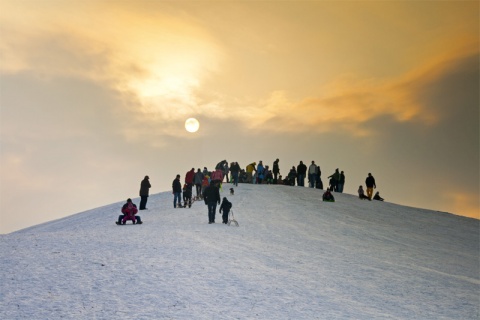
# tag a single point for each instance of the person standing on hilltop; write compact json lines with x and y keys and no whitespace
{"x":260,"y":172}
{"x":335,"y":177}
{"x":275,"y":170}
{"x":177,"y":192}
{"x":235,"y":170}
{"x":292,"y":176}
{"x":144,"y":191}
{"x":250,"y":168}
{"x":301,"y":173}
{"x":312,"y":174}
{"x":370,"y":183}
{"x":341,"y":182}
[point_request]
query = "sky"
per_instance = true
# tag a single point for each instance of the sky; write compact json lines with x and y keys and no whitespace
{"x":350,"y":259}
{"x":94,"y":96}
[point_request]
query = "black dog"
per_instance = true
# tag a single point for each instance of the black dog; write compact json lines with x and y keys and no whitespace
{"x":232,"y":191}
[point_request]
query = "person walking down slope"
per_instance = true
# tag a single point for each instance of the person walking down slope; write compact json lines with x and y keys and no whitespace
{"x":225,"y":209}
{"x":177,"y":192}
{"x":197,"y":180}
{"x":211,"y":196}
{"x":370,"y":183}
{"x":144,"y":190}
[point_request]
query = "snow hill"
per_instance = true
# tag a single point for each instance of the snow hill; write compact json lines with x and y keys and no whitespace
{"x":292,"y":257}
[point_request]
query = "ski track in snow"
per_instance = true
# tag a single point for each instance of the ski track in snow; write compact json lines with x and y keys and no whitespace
{"x":292,"y":257}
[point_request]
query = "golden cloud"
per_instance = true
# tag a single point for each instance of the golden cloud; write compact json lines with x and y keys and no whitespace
{"x":159,"y":63}
{"x":348,"y":102}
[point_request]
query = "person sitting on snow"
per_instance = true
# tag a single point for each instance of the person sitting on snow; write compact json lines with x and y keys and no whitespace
{"x":129,"y":211}
{"x":328,"y":196}
{"x":225,"y":209}
{"x":377,"y":196}
{"x":361,"y":194}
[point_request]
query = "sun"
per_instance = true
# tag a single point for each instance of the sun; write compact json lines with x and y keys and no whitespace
{"x":192,"y":125}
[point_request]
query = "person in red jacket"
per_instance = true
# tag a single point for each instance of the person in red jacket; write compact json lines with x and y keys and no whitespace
{"x":129,"y":211}
{"x":190,"y":176}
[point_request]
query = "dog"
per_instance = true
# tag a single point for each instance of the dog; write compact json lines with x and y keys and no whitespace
{"x":232,"y":191}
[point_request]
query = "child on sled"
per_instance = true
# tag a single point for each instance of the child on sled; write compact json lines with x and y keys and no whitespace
{"x":328,"y":196}
{"x":129,"y":211}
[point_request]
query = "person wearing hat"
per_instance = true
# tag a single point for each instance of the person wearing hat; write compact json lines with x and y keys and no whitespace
{"x":144,"y":190}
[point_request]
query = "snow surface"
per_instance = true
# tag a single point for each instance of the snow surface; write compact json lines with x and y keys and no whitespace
{"x":292,"y":257}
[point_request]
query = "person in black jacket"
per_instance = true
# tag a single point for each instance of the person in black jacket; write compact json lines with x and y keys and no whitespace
{"x":211,"y":196}
{"x":177,"y":192}
{"x":144,"y":189}
{"x":225,"y":209}
{"x":370,"y":183}
{"x":301,"y":173}
{"x":275,"y":171}
{"x":235,"y":170}
{"x":377,"y":196}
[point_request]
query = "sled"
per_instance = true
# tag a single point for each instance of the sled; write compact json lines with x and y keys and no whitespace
{"x":232,"y":221}
{"x":121,"y":224}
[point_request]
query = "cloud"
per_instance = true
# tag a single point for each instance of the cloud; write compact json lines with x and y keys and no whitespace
{"x":160,"y":59}
{"x":154,"y":61}
{"x":349,"y":102}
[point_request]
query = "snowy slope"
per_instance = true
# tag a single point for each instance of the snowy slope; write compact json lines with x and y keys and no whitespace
{"x":293,"y":257}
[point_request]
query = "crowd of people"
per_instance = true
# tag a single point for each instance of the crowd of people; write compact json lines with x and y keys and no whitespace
{"x":209,"y":183}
